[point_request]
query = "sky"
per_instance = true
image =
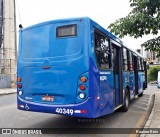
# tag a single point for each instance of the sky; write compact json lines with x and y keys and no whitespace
{"x":104,"y":12}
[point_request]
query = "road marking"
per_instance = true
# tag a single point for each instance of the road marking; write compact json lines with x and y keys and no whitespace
{"x":139,"y":124}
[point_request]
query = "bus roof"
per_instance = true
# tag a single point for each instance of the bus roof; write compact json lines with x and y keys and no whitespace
{"x":84,"y":18}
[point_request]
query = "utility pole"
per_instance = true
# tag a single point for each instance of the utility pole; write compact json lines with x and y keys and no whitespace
{"x":9,"y":41}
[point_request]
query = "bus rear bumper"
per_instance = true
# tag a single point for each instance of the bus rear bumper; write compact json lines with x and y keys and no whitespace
{"x":84,"y":109}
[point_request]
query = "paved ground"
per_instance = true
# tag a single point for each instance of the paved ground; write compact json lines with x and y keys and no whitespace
{"x":153,"y":122}
{"x":10,"y":117}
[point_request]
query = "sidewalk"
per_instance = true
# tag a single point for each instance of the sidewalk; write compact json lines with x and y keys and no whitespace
{"x":6,"y":91}
{"x":154,"y":118}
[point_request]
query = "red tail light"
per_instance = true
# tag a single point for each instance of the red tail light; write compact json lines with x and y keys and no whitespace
{"x":83,"y":111}
{"x":82,"y":87}
{"x":19,"y":85}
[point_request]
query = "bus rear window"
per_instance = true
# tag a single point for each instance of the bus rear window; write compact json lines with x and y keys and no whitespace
{"x":67,"y":30}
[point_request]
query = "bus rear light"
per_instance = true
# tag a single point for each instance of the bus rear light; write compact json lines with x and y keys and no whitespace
{"x":19,"y":85}
{"x":19,"y":79}
{"x":81,"y":111}
{"x":82,"y":95}
{"x":20,"y":92}
{"x":97,"y":98}
{"x":21,"y":106}
{"x":84,"y":111}
{"x":83,"y":79}
{"x":82,"y":87}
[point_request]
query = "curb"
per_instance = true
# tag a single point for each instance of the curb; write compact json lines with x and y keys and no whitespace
{"x":150,"y":113}
{"x":7,"y":93}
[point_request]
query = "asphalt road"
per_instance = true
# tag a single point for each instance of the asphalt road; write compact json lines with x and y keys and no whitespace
{"x":10,"y":117}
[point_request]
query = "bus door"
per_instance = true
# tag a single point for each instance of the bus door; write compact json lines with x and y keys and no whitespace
{"x":145,"y":70}
{"x":136,"y":74}
{"x":117,"y":72}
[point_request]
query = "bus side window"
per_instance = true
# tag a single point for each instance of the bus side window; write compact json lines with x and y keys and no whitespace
{"x":125,"y":59}
{"x":102,"y":51}
{"x":139,"y":64}
{"x":142,"y":62}
{"x":130,"y":61}
{"x":97,"y":49}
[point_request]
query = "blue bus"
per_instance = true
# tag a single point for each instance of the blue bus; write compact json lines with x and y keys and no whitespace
{"x":77,"y":68}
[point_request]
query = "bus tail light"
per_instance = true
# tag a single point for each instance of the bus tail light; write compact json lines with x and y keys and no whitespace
{"x":84,"y":111}
{"x":20,"y":92}
{"x":82,"y":95}
{"x":81,"y":111}
{"x":19,"y":79}
{"x":21,"y":106}
{"x":83,"y":79}
{"x":19,"y":85}
{"x":97,"y":98}
{"x":82,"y":87}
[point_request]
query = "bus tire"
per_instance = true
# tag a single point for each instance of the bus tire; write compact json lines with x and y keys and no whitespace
{"x":144,"y":85}
{"x":126,"y":101}
{"x":140,"y":95}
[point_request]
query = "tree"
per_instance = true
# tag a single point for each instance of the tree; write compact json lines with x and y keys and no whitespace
{"x":143,"y":19}
{"x":153,"y":72}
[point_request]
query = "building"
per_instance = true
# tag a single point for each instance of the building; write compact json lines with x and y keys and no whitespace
{"x":150,"y":56}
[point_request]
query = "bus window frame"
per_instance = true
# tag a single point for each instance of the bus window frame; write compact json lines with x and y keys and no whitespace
{"x":130,"y":60}
{"x":66,"y":36}
{"x":139,"y":63}
{"x":142,"y":64}
{"x":125,"y":59}
{"x":109,"y":53}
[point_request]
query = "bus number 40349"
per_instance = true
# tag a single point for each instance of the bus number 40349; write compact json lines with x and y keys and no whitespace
{"x":64,"y":111}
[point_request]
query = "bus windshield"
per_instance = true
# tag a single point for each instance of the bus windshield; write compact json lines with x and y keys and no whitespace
{"x":42,"y":41}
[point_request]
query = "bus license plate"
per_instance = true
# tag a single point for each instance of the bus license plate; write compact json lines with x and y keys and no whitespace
{"x":48,"y":98}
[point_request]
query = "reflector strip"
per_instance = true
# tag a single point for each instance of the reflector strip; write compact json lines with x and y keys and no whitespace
{"x":83,"y":111}
{"x":21,"y":106}
{"x":80,"y":111}
{"x":77,"y":111}
{"x":97,"y":98}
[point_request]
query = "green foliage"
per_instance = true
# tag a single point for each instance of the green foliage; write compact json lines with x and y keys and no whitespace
{"x":142,"y":20}
{"x":152,"y":73}
{"x":153,"y":45}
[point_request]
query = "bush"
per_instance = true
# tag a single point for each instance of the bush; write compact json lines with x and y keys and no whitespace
{"x":153,"y":72}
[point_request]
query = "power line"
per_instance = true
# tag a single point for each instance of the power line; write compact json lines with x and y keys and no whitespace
{"x":18,"y":11}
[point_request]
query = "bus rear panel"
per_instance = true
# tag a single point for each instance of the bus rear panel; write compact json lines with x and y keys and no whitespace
{"x":53,"y":68}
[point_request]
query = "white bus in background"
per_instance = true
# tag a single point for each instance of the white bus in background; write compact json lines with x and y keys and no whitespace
{"x":158,"y":79}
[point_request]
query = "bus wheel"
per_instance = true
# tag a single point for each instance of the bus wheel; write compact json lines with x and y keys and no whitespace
{"x":126,"y":101}
{"x":144,"y":85}
{"x":140,"y":95}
